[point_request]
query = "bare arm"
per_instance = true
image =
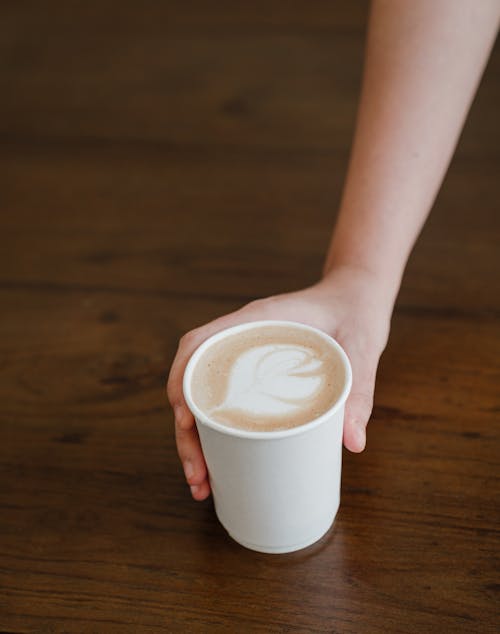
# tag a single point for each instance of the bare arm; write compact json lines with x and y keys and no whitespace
{"x":424,"y":60}
{"x":423,"y":63}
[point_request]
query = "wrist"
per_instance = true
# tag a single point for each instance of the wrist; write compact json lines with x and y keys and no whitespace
{"x":368,"y":286}
{"x":363,"y":255}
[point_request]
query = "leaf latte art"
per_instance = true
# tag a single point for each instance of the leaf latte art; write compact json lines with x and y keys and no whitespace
{"x":267,"y":378}
{"x":272,"y":380}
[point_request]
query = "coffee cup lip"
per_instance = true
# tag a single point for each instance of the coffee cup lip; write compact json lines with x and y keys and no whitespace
{"x":204,"y":419}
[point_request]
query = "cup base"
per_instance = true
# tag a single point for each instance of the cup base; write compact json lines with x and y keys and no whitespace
{"x":280,"y":550}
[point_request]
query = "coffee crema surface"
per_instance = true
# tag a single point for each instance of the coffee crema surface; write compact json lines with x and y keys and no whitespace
{"x":268,"y":378}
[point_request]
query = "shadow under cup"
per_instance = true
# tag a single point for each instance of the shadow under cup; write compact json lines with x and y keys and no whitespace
{"x":274,"y":491}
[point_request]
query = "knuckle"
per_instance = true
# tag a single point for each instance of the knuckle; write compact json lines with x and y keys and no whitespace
{"x":182,"y":439}
{"x":255,"y":303}
{"x":189,"y":338}
{"x":172,"y":393}
{"x":168,"y":387}
{"x":186,"y":338}
{"x":186,"y":443}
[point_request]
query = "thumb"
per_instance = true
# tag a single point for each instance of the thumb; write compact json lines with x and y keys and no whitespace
{"x":359,"y":405}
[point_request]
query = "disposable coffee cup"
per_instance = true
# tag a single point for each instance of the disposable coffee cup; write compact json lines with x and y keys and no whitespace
{"x":274,"y":491}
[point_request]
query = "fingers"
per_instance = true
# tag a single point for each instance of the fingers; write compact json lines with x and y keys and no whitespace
{"x":186,"y":436}
{"x":357,"y":413}
{"x":188,"y":442}
{"x":190,"y":453}
{"x":187,"y":345}
{"x":359,"y":405}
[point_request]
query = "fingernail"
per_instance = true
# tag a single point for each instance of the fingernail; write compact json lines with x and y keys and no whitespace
{"x":194,"y":489}
{"x":188,"y":469}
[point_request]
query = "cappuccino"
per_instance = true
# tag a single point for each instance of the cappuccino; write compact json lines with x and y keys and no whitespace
{"x":268,"y":378}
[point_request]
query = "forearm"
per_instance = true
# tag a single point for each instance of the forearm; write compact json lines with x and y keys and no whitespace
{"x":423,"y":63}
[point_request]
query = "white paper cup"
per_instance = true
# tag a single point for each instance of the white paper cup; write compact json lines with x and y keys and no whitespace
{"x":274,"y":491}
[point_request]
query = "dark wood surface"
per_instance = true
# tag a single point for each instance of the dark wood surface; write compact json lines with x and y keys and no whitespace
{"x":161,"y":164}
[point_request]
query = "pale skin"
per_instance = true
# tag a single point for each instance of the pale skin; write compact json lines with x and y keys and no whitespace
{"x":423,"y":63}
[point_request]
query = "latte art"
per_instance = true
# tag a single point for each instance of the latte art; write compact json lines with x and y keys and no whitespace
{"x":272,"y":380}
{"x":268,"y":378}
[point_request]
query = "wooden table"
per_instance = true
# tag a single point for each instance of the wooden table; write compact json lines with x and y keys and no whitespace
{"x":161,"y":164}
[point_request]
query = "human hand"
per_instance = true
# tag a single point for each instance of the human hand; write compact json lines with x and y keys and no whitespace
{"x":347,"y":304}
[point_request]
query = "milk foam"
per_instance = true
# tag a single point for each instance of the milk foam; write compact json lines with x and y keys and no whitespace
{"x":268,"y":378}
{"x":272,"y":380}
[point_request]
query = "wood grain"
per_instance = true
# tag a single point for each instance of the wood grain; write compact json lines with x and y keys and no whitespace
{"x":159,"y":166}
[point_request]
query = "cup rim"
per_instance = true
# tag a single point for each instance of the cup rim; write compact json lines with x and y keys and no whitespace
{"x":204,"y":419}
